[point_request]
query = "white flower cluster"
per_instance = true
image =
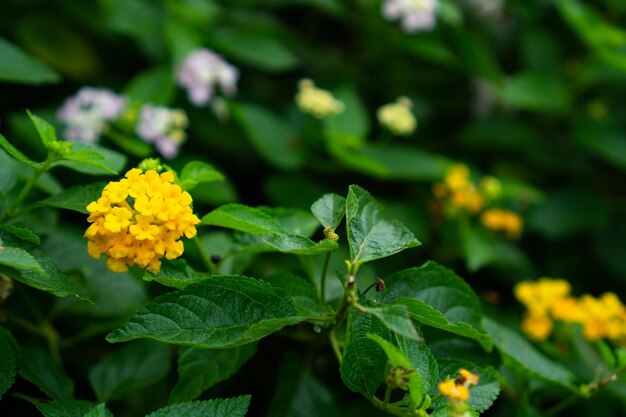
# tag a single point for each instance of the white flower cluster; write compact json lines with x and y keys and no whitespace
{"x":414,"y":15}
{"x":202,"y":71}
{"x":164,"y":127}
{"x":88,"y":112}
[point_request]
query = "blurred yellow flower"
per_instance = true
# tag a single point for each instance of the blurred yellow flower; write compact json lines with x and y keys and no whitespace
{"x":453,"y":391}
{"x":140,"y":219}
{"x":315,"y":101}
{"x":397,"y":117}
{"x":504,"y":221}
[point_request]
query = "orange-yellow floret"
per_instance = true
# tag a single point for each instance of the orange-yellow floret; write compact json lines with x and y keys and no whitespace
{"x":504,"y":221}
{"x":453,"y":391}
{"x":140,"y":219}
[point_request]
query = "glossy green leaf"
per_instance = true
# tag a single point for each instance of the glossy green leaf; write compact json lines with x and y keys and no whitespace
{"x":21,"y":233}
{"x":369,"y":234}
{"x":38,"y":367}
{"x":510,"y":343}
{"x":299,"y":393}
{"x":75,"y":198}
{"x":220,"y":407}
{"x":295,"y":221}
{"x":242,"y":218}
{"x":200,"y":369}
{"x":437,"y":297}
{"x":364,"y":362}
{"x":132,"y":366}
{"x":422,"y":360}
{"x":45,"y":130}
{"x":479,"y":247}
{"x":94,"y":159}
{"x":274,"y":139}
{"x":197,"y":172}
{"x":9,"y":170}
{"x":155,"y":85}
{"x":351,"y":126}
{"x":9,"y":353}
{"x":51,"y":280}
{"x":305,"y":297}
{"x":285,"y":243}
{"x":482,"y":395}
{"x":19,"y":259}
{"x":397,"y":359}
{"x":329,"y":209}
{"x":17,"y":154}
{"x":18,"y":67}
{"x":176,"y":273}
{"x":64,"y":408}
{"x":255,"y":48}
{"x":99,"y":410}
{"x":396,"y":318}
{"x":224,"y":311}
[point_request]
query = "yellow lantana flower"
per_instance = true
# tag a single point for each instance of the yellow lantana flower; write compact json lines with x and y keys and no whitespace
{"x":397,"y":117}
{"x":503,"y":221}
{"x":457,"y":391}
{"x":316,"y":101}
{"x":140,"y":219}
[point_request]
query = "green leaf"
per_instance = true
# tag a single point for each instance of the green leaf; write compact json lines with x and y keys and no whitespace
{"x":329,"y":209}
{"x":285,"y":243}
{"x":364,"y":362}
{"x":200,"y":369}
{"x":87,"y":161}
{"x":397,"y":359}
{"x":242,"y":218}
{"x":482,"y":395}
{"x":293,"y":220}
{"x":422,"y":360}
{"x":45,"y":130}
{"x":154,"y":85}
{"x":21,"y":233}
{"x":75,"y":198}
{"x":305,"y":297}
{"x":99,"y":410}
{"x":476,"y":54}
{"x":38,"y":367}
{"x":351,"y":126}
{"x":51,"y":280}
{"x":19,"y":259}
{"x":605,"y":141}
{"x":17,"y":154}
{"x":8,"y":360}
{"x":255,"y":48}
{"x":65,"y":408}
{"x":513,"y":345}
{"x":219,"y":407}
{"x":369,"y":234}
{"x":479,"y":247}
{"x":133,"y":366}
{"x":446,"y":410}
{"x":9,"y":171}
{"x":437,"y":297}
{"x":176,"y":273}
{"x":197,"y":172}
{"x":224,"y":311}
{"x":274,"y":139}
{"x":16,"y":66}
{"x":299,"y":393}
{"x":536,"y":92}
{"x":396,"y":318}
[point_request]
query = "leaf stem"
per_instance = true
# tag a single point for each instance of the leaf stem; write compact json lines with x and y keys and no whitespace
{"x":332,"y":337}
{"x":323,"y":277}
{"x":32,"y":180}
{"x":208,"y":263}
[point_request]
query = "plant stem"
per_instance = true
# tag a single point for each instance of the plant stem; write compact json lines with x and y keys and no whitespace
{"x":323,"y":278}
{"x":205,"y":258}
{"x":387,"y":396}
{"x":332,"y":336}
{"x":562,"y":405}
{"x":27,"y":187}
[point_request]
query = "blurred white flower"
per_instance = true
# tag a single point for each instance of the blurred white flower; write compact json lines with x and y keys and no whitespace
{"x":414,"y":15}
{"x":202,"y":71}
{"x":397,"y":117}
{"x":164,"y":127}
{"x":88,"y":112}
{"x":316,"y":101}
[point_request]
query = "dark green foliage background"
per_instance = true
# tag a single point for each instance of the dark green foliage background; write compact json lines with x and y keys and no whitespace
{"x":555,"y":132}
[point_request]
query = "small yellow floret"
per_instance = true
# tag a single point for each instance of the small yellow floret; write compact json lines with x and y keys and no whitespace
{"x":468,"y":377}
{"x":397,"y":117}
{"x":140,"y":219}
{"x":317,"y":102}
{"x":503,"y":221}
{"x":453,"y":391}
{"x":537,"y":327}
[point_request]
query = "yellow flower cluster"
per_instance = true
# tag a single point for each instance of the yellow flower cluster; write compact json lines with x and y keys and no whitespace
{"x":140,"y":219}
{"x":548,"y":300}
{"x":457,"y":390}
{"x":397,"y":117}
{"x":459,"y":189}
{"x":503,"y":221}
{"x":320,"y":103}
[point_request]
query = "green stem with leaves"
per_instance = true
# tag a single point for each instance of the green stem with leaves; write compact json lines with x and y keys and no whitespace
{"x":323,"y":277}
{"x":32,"y":180}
